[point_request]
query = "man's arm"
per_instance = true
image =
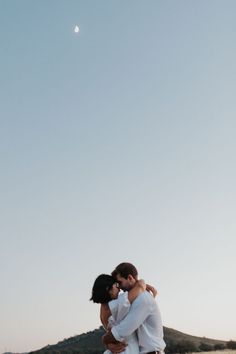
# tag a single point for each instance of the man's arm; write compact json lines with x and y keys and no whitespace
{"x":116,"y":347}
{"x":139,"y":311}
{"x":108,"y":338}
{"x":112,"y":344}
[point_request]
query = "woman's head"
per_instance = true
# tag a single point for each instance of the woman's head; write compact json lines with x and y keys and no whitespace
{"x":104,"y":289}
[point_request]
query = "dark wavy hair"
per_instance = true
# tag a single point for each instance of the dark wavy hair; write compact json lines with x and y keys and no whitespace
{"x":101,"y":287}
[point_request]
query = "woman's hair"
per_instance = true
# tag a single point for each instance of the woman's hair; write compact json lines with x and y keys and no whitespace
{"x":101,"y":287}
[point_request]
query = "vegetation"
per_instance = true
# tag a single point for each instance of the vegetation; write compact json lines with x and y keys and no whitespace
{"x":176,"y":343}
{"x":231,"y":344}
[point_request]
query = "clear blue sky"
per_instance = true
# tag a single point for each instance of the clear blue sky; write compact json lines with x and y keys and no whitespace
{"x":117,"y":144}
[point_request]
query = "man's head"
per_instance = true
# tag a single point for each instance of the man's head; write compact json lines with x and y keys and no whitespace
{"x":126,"y":275}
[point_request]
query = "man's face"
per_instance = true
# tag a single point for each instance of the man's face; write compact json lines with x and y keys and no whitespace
{"x":125,"y":284}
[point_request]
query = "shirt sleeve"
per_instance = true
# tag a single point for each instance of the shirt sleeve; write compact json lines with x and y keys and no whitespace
{"x":138,"y":313}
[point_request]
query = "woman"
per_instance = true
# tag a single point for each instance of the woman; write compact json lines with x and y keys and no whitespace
{"x":114,"y":308}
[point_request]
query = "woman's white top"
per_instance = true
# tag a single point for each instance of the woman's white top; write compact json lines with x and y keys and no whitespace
{"x":119,"y":309}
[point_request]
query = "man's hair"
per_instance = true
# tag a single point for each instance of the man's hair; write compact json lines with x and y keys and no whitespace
{"x":101,"y":287}
{"x":124,"y":270}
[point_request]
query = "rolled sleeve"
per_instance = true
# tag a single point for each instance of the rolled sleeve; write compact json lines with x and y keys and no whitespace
{"x":136,"y":316}
{"x":116,"y":335}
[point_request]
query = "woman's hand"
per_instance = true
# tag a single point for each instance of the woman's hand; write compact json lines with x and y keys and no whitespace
{"x":152,"y":290}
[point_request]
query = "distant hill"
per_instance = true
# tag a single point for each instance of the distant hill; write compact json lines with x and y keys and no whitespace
{"x":14,"y":353}
{"x":90,"y":343}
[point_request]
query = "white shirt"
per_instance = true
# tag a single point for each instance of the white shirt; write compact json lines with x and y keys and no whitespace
{"x":144,"y":316}
{"x":119,"y":309}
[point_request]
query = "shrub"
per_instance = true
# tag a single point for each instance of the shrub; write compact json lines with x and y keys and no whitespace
{"x":180,"y":347}
{"x":219,"y":346}
{"x":231,"y":344}
{"x":204,"y":347}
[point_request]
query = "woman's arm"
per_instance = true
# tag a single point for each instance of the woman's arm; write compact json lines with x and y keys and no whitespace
{"x":152,"y":290}
{"x":105,"y":313}
{"x":138,"y":288}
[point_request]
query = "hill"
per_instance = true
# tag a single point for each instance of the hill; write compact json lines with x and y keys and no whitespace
{"x":90,"y":343}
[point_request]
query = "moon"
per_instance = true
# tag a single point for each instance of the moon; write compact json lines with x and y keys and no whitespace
{"x":76,"y":29}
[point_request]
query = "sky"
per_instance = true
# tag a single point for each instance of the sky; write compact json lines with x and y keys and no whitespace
{"x":117,"y":143}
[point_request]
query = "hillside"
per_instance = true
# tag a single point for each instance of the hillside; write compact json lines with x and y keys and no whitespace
{"x":90,"y":343}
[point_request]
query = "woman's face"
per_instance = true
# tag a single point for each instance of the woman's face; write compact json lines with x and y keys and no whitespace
{"x":114,"y":291}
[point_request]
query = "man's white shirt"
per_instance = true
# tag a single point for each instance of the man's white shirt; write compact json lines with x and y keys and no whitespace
{"x":143,"y":316}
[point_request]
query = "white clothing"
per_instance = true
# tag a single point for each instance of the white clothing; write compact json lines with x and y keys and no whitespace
{"x":143,"y":316}
{"x":119,"y":309}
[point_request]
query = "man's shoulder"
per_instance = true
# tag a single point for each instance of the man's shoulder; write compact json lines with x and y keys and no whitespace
{"x":145,"y":297}
{"x":148,"y":295}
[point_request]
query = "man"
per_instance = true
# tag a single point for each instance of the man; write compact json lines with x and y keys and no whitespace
{"x":143,"y":317}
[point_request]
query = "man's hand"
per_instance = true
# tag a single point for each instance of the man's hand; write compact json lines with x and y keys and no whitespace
{"x":116,"y":347}
{"x":108,"y":338}
{"x":112,"y":344}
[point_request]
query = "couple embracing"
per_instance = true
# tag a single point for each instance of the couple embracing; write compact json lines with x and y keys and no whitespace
{"x":132,"y":319}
